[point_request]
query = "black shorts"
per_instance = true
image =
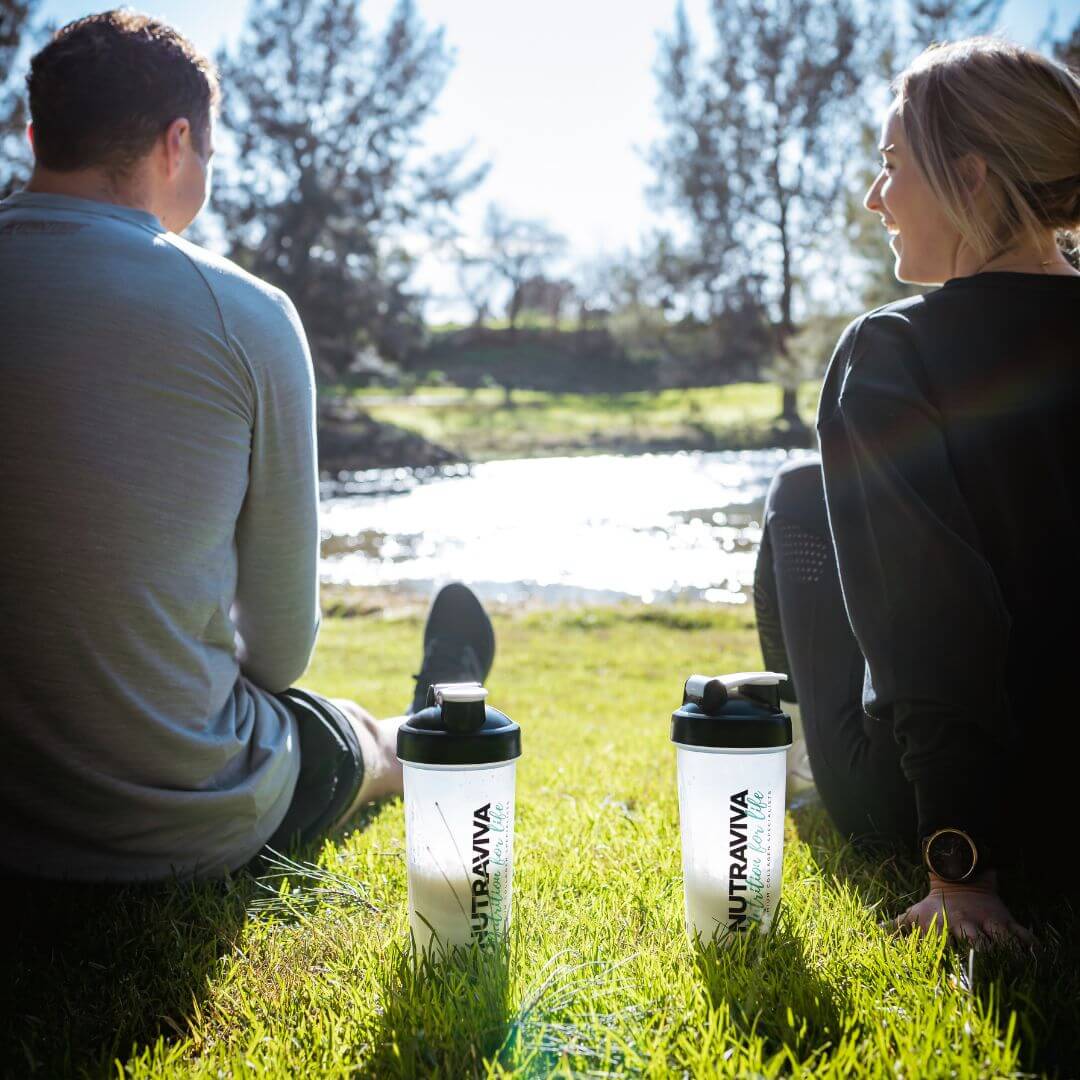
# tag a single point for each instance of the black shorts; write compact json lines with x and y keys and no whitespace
{"x":331,"y":770}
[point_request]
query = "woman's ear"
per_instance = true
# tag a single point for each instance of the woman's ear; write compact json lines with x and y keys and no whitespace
{"x":973,"y":174}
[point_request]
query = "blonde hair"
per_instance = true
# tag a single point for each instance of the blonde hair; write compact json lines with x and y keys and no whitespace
{"x":1018,"y":111}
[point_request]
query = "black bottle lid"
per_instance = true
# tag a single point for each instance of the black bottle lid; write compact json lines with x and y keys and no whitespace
{"x":736,"y":712}
{"x":458,"y":728}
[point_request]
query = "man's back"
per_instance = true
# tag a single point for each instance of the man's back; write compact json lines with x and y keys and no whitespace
{"x":156,"y":431}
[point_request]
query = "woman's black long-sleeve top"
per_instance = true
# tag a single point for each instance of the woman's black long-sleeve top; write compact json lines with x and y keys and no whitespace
{"x":949,"y":437}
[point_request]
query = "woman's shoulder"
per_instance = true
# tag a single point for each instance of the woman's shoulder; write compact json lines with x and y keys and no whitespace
{"x":879,"y":353}
{"x":902,"y":349}
{"x":893,"y":327}
{"x":913,"y":325}
{"x":897,"y":317}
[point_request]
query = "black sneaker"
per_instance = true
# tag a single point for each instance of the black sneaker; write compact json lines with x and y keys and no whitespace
{"x":459,"y":642}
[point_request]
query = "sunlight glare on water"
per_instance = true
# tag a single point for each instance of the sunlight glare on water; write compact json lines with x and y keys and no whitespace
{"x":648,"y":527}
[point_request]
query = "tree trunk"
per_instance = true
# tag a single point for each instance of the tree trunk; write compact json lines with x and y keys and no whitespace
{"x":789,"y":408}
{"x":515,"y":309}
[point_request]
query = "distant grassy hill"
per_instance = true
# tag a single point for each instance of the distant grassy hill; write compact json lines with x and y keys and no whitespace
{"x":478,"y":393}
{"x":477,"y":425}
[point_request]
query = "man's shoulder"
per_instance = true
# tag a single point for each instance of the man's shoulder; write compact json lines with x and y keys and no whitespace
{"x":236,"y":290}
{"x":259,"y":320}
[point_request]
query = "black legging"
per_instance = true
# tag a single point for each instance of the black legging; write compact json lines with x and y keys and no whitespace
{"x":805,"y":633}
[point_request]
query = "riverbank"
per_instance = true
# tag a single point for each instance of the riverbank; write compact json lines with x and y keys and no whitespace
{"x":180,"y":981}
{"x":438,"y":424}
{"x":350,"y":438}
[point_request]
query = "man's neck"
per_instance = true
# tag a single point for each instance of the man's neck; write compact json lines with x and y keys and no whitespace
{"x":92,"y":184}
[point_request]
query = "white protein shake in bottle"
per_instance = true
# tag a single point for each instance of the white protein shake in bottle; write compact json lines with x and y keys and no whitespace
{"x":731,"y":740}
{"x":458,"y":758}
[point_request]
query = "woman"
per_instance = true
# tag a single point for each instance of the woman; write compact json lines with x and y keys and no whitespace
{"x":930,"y":581}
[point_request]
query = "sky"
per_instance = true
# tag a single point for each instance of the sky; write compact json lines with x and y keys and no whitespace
{"x":559,"y":97}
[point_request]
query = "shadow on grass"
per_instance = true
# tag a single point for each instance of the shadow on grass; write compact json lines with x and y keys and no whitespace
{"x":883,"y":880}
{"x":769,"y":989}
{"x":94,"y":973}
{"x":87,"y":972}
{"x":444,"y":1017}
{"x":464,"y":1017}
{"x":1037,"y":989}
{"x":1033,"y":991}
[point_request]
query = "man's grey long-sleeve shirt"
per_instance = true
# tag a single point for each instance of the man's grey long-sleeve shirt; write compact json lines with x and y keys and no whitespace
{"x":160,"y":541}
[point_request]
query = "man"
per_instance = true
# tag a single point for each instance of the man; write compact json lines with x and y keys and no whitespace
{"x":158,"y":591}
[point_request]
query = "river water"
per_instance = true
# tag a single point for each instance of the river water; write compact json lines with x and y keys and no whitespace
{"x":651,"y":527}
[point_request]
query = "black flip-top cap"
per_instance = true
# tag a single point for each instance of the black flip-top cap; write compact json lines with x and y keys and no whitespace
{"x":722,"y":712}
{"x":459,"y":729}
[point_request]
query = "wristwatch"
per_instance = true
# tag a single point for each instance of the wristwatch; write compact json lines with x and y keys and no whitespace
{"x":951,"y":854}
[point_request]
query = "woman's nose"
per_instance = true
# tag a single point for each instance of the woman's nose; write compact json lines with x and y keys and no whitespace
{"x":872,"y":201}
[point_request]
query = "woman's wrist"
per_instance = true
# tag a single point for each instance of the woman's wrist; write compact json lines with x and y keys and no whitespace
{"x":981,"y":880}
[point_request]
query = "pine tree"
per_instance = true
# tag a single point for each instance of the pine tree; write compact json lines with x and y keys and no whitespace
{"x":16,"y":17}
{"x":757,"y":149}
{"x":325,"y":189}
{"x":932,"y":21}
{"x":1067,"y":50}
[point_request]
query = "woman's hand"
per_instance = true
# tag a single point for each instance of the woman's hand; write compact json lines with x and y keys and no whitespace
{"x":971,"y":909}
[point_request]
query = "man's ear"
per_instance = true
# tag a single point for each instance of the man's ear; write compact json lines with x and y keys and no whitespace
{"x":30,"y":135}
{"x":176,"y":142}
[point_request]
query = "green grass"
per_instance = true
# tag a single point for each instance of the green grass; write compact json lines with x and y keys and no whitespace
{"x":599,"y":979}
{"x":479,"y":425}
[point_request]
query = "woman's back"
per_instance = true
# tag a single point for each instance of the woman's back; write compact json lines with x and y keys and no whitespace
{"x":999,"y":355}
{"x":949,"y":436}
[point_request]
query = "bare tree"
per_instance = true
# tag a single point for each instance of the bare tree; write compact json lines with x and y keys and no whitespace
{"x":476,"y":280}
{"x":595,"y":281}
{"x":16,"y":17}
{"x":518,"y":249}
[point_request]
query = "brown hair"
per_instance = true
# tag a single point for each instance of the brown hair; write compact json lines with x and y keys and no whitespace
{"x":1018,"y":111}
{"x":106,"y":87}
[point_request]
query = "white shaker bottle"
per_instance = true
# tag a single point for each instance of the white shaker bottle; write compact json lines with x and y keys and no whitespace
{"x":458,"y":757}
{"x":732,"y":739}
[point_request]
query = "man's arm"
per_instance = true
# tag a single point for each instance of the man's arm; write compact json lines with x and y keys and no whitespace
{"x":277,"y":533}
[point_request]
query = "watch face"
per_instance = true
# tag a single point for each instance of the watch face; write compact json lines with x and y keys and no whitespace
{"x":951,"y":854}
